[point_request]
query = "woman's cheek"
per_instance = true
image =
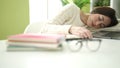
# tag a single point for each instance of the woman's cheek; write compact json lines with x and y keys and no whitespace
{"x":89,"y":24}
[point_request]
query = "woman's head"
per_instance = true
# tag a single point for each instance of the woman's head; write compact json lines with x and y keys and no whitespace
{"x":102,"y":17}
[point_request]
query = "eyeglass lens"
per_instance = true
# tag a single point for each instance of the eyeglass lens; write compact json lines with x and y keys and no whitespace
{"x":91,"y":44}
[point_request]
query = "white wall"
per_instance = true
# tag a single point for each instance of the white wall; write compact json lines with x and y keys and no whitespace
{"x":92,"y":4}
{"x":53,"y":8}
{"x":116,"y":5}
{"x":41,"y":10}
{"x":38,"y":10}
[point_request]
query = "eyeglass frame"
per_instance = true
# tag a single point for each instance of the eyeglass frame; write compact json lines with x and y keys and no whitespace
{"x":80,"y":40}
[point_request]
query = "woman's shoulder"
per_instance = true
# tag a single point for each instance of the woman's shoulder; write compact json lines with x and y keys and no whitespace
{"x":71,"y":6}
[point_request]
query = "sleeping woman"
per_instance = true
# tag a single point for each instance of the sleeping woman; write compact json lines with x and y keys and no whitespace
{"x":71,"y":20}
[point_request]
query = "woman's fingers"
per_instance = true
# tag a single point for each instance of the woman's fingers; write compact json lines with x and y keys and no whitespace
{"x":85,"y":33}
{"x":80,"y":31}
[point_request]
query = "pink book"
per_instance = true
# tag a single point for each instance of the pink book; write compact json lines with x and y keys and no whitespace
{"x":38,"y":38}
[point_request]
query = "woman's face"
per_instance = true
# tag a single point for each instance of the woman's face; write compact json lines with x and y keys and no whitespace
{"x":98,"y":21}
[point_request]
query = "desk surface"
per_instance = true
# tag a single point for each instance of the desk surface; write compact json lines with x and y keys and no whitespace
{"x":108,"y":56}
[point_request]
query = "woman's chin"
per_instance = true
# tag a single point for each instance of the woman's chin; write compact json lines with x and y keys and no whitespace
{"x":90,"y":26}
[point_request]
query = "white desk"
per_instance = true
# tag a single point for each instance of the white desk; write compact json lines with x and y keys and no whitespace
{"x":107,"y":57}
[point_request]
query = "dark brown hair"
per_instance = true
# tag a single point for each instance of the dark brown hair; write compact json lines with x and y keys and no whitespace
{"x":107,"y":11}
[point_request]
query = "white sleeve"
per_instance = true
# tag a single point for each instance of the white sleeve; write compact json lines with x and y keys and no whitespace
{"x":57,"y":29}
{"x":43,"y":27}
{"x":66,"y":13}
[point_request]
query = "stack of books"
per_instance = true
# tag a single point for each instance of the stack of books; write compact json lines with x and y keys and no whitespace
{"x":28,"y":42}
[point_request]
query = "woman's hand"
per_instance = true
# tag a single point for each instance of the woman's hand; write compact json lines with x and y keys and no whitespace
{"x":80,"y":31}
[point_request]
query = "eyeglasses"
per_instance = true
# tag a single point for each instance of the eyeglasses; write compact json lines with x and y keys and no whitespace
{"x":75,"y":44}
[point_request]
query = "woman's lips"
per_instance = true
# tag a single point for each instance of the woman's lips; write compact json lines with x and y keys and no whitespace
{"x":93,"y":24}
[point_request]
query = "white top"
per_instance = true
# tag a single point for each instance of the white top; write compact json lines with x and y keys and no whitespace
{"x":69,"y":15}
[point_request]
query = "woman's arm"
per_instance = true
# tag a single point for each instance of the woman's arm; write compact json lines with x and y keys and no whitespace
{"x":82,"y":32}
{"x":59,"y":24}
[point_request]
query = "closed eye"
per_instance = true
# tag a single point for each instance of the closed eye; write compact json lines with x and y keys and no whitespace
{"x":101,"y":19}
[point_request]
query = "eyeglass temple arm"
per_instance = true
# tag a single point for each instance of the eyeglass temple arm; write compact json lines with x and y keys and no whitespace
{"x":93,"y":39}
